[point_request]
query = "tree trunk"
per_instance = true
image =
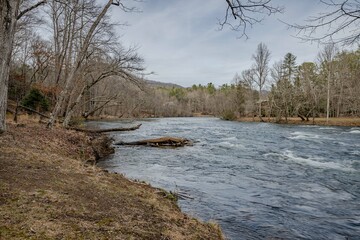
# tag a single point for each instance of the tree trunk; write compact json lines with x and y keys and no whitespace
{"x":328,"y":99}
{"x":71,"y":108}
{"x":16,"y":111}
{"x":340,"y":100}
{"x":8,"y":17}
{"x":302,"y":117}
{"x":60,"y":100}
{"x":259,"y":113}
{"x":313,"y":116}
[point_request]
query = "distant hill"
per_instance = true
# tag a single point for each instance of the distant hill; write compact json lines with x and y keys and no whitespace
{"x":161,"y":84}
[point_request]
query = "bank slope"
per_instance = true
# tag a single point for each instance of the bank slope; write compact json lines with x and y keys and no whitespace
{"x":47,"y":191}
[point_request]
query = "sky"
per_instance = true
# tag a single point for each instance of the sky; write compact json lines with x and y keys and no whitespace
{"x":181,"y":43}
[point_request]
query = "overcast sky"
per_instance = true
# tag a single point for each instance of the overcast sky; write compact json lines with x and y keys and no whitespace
{"x":181,"y":42}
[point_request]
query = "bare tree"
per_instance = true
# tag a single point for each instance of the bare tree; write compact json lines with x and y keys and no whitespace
{"x":122,"y":63}
{"x":248,"y":78}
{"x":81,"y":56}
{"x":346,"y":83}
{"x":10,"y":13}
{"x":338,"y":24}
{"x":282,"y":91}
{"x":41,"y":59}
{"x":261,"y":70}
{"x":308,"y":90}
{"x":327,"y":56}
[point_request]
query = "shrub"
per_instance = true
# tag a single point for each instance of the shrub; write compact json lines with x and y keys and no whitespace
{"x":228,"y":115}
{"x":35,"y":100}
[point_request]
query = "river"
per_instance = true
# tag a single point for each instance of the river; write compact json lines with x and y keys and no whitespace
{"x":257,"y":180}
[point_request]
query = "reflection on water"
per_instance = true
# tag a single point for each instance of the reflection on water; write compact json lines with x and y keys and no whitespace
{"x":257,"y":180}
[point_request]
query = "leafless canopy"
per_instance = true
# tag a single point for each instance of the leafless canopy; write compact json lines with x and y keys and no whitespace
{"x":247,"y":13}
{"x":261,"y":58}
{"x":340,"y":21}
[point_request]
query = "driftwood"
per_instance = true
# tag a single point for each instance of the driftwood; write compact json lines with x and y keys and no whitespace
{"x":160,"y":142}
{"x":105,"y":130}
{"x":182,"y":196}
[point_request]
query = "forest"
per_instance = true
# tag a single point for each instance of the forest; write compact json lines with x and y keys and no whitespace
{"x":63,"y":62}
{"x":67,"y":62}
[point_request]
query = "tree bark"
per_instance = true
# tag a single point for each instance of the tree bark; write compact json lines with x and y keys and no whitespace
{"x":71,"y":108}
{"x":328,"y":98}
{"x":8,"y":17}
{"x":260,"y":112}
{"x":16,"y":111}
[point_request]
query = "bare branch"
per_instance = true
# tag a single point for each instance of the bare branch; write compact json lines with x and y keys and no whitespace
{"x":123,"y":7}
{"x":247,"y":13}
{"x":341,"y":24}
{"x":22,"y":13}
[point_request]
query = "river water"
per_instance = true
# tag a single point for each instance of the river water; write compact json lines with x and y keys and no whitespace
{"x":257,"y":180}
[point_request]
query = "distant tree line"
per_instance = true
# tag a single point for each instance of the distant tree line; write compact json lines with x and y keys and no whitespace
{"x":328,"y":87}
{"x":311,"y":89}
{"x":65,"y":57}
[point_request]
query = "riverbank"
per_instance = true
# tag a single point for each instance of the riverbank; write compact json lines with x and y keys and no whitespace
{"x":50,"y":189}
{"x":343,"y":121}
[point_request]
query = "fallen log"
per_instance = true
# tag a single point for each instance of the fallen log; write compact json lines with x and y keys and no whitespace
{"x":34,"y":111}
{"x":160,"y":142}
{"x":105,"y":130}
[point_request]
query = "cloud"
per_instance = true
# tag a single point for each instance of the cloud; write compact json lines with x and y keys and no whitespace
{"x":180,"y":41}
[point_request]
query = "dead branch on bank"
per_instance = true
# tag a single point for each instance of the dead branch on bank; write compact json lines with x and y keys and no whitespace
{"x":105,"y":130}
{"x":160,"y":142}
{"x":33,"y":111}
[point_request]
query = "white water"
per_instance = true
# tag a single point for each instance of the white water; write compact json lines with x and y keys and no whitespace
{"x":257,"y":180}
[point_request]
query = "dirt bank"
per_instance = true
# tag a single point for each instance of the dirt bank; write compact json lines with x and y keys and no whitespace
{"x":48,"y":190}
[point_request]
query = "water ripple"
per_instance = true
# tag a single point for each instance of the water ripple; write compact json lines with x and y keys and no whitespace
{"x":258,"y":180}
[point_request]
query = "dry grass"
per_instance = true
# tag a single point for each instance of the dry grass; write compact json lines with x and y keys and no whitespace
{"x":48,"y":192}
